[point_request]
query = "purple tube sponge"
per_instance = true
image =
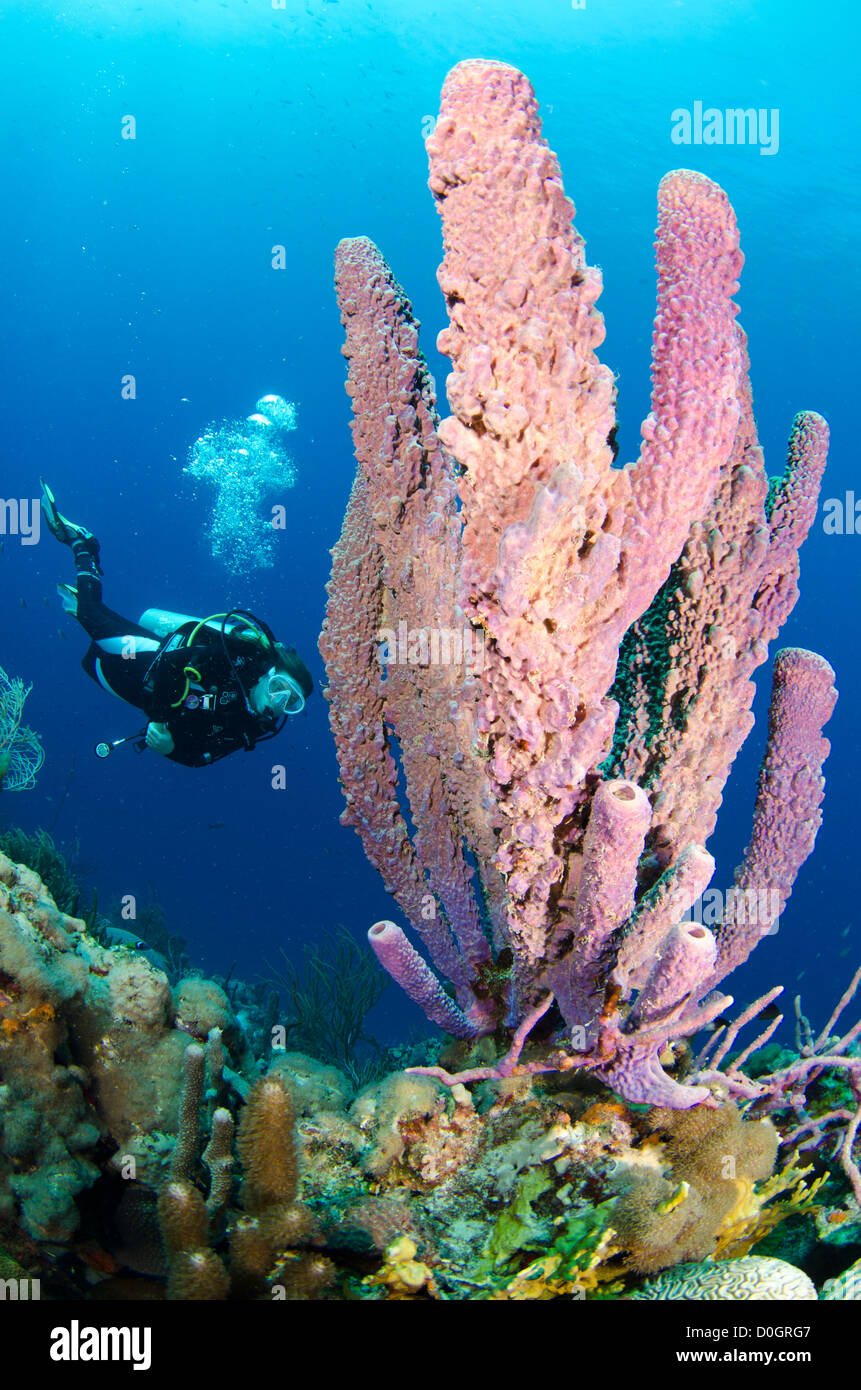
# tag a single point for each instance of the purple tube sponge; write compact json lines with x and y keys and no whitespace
{"x":787,"y":813}
{"x":662,"y":1008}
{"x":658,"y":912}
{"x":415,"y":977}
{"x":618,"y":823}
{"x":686,"y":956}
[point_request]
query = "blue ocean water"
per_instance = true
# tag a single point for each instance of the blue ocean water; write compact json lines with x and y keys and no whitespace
{"x":259,"y":125}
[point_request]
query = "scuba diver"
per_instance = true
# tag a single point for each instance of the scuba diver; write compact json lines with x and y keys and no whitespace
{"x":207,"y":686}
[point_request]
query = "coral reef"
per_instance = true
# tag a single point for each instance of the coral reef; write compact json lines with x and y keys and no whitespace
{"x":141,"y":1156}
{"x":201,"y":1005}
{"x":263,"y":1258}
{"x":144,"y":926}
{"x":103,"y":1087}
{"x":88,"y":1054}
{"x":37,"y":851}
{"x":711,"y":1160}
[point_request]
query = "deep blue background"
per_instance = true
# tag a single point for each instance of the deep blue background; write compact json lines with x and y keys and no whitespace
{"x":258,"y":126}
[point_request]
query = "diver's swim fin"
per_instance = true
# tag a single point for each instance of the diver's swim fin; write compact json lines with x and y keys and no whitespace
{"x":84,"y":545}
{"x":59,"y":527}
{"x":68,"y":598}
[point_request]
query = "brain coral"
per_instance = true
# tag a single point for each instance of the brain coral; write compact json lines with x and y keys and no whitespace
{"x":755,"y":1278}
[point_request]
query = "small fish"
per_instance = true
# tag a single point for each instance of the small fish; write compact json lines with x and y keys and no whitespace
{"x":216,"y":825}
{"x":117,"y":936}
{"x":95,"y":1258}
{"x":23,"y":603}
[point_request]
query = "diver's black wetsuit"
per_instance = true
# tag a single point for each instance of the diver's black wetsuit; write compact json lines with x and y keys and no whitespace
{"x":196,"y":691}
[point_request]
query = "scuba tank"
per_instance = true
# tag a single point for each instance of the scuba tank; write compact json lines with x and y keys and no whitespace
{"x":162,"y":622}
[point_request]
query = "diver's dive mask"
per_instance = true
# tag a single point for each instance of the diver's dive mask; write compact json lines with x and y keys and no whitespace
{"x":283,"y":694}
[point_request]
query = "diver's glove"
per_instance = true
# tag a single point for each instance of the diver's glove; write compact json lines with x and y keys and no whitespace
{"x":159,"y":739}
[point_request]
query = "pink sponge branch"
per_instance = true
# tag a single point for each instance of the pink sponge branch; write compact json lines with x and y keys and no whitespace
{"x":686,"y":955}
{"x":696,"y":365}
{"x":794,"y":496}
{"x":415,"y":977}
{"x":562,"y":551}
{"x":393,"y":568}
{"x":685,"y":674}
{"x":658,"y":911}
{"x":787,"y":813}
{"x":618,"y":823}
{"x":369,"y":774}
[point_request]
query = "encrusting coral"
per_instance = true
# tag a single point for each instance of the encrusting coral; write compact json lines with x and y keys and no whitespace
{"x":76,"y":1024}
{"x":38,"y":852}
